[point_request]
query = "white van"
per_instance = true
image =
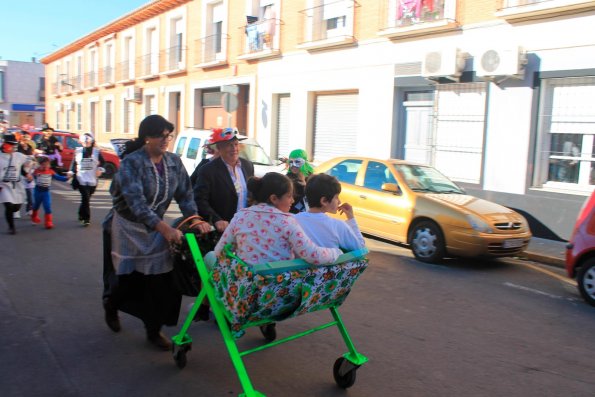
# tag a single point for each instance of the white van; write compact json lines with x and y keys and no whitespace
{"x":189,"y":146}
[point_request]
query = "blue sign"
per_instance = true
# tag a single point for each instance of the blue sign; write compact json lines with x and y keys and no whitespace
{"x":25,"y":107}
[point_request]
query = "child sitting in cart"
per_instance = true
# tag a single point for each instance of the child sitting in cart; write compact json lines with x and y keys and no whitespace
{"x":267,"y":232}
{"x":322,"y":193}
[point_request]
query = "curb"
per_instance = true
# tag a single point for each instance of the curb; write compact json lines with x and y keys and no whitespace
{"x":545,"y":259}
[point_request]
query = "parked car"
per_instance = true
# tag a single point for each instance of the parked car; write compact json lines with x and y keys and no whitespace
{"x":189,"y":146}
{"x":580,"y":251}
{"x":415,"y":204}
{"x":70,"y":141}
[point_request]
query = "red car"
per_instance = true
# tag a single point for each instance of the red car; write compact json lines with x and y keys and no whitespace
{"x":70,"y":141}
{"x":580,"y":251}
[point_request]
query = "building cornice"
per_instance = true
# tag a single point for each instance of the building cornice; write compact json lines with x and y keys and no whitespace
{"x":141,"y":14}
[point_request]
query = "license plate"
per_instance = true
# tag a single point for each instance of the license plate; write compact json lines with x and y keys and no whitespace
{"x":514,"y":243}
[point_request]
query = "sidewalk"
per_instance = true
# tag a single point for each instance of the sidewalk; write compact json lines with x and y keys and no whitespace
{"x":550,"y":252}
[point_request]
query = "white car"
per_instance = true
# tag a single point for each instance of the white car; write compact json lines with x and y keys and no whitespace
{"x":189,"y":146}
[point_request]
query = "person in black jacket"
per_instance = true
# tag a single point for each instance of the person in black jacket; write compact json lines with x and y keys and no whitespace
{"x":221,"y":189}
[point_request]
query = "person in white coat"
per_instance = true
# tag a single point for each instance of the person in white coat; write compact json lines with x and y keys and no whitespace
{"x":12,"y":172}
{"x":86,"y":167}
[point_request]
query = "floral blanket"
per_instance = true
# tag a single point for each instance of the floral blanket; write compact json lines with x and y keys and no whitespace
{"x":249,"y":297}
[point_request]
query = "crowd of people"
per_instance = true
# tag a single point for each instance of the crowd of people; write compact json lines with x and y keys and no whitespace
{"x":275,"y":217}
{"x":28,"y":169}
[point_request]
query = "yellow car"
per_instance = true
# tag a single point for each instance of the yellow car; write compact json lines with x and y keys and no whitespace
{"x":415,"y":204}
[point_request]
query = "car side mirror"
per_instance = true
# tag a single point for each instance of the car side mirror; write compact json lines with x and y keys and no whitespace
{"x":392,"y":188}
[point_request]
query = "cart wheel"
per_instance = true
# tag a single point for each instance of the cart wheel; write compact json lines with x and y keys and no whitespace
{"x":179,"y":353}
{"x":346,"y":380}
{"x":269,"y":332}
{"x":180,"y":359}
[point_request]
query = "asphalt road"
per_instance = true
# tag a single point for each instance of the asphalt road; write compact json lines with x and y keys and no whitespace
{"x":463,"y":328}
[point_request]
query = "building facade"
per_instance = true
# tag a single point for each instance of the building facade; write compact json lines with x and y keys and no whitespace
{"x":22,"y":93}
{"x":492,"y":93}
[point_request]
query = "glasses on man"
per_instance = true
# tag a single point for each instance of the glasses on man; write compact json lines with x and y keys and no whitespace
{"x":297,"y":163}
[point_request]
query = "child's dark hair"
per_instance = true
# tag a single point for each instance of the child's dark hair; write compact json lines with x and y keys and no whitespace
{"x":272,"y":183}
{"x":319,"y":186}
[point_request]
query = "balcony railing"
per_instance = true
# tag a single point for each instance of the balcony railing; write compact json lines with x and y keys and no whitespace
{"x":405,"y":13}
{"x":107,"y":75}
{"x":411,"y":17}
{"x":91,"y":79}
{"x":76,"y":83}
{"x":148,"y":64}
{"x":210,"y":50}
{"x":529,"y":9}
{"x":172,"y":59}
{"x":329,"y":24}
{"x":261,"y":37}
{"x":125,"y":71}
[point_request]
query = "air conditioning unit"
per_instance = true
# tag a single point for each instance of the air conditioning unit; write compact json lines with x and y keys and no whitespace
{"x":447,"y":63}
{"x":508,"y":61}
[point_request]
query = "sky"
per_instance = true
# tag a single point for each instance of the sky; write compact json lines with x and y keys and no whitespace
{"x":36,"y":28}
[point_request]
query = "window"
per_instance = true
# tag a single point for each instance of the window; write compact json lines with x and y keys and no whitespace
{"x":57,"y":119}
{"x":261,"y":27}
{"x":376,"y":175}
{"x":41,"y":89}
{"x":175,"y":52}
{"x":346,"y":171}
{"x":193,"y":148}
{"x":92,"y":67}
{"x":211,"y":48}
{"x":408,"y":15}
{"x":1,"y":86}
{"x":79,"y":116}
{"x":180,"y":147}
{"x":330,"y":21}
{"x":108,"y":115}
{"x":566,"y":157}
{"x":126,"y":67}
{"x":72,"y":143}
{"x":67,"y":111}
{"x":128,"y":119}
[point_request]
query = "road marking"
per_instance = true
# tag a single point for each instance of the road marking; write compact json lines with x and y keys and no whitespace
{"x":538,"y":292}
{"x":550,"y":273}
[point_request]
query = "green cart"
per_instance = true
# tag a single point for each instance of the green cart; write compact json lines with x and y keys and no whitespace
{"x":243,"y":296}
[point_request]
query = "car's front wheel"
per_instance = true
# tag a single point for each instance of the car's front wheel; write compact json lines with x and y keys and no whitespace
{"x":586,"y":281}
{"x":427,"y":242}
{"x":110,"y":170}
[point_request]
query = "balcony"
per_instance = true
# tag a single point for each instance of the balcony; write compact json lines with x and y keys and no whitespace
{"x":91,"y":80}
{"x":261,"y":39}
{"x":107,"y":76}
{"x":125,"y":71}
{"x":148,"y":66}
{"x":172,"y":60}
{"x":328,"y":25}
{"x":210,"y":51}
{"x":519,"y":10}
{"x":410,"y":18}
{"x":75,"y":83}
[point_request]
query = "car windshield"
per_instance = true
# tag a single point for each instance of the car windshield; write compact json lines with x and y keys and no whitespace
{"x":255,"y":153}
{"x":423,"y":178}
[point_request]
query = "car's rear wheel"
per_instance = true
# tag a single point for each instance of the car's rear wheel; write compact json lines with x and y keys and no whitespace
{"x":427,"y":242}
{"x":110,"y":170}
{"x":586,"y":281}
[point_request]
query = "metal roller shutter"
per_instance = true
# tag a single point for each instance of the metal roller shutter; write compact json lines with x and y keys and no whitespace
{"x":335,"y":126}
{"x":283,"y":123}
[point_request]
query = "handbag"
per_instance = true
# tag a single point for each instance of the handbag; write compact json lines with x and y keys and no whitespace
{"x":185,"y":274}
{"x":75,"y":183}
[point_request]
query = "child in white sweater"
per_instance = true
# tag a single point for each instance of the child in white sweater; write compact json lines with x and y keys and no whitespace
{"x":322,"y":193}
